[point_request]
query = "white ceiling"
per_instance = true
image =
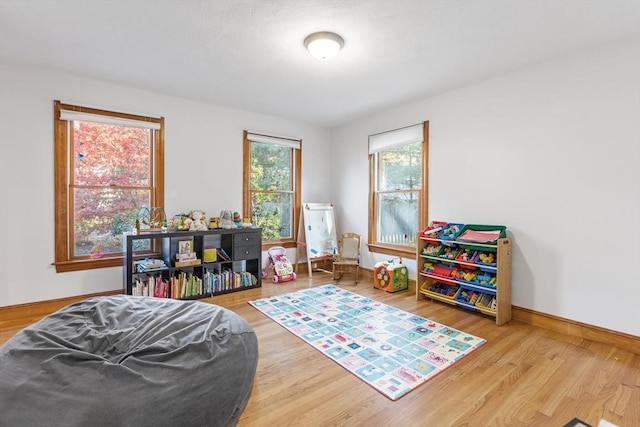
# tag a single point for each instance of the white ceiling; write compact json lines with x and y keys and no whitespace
{"x":249,"y":54}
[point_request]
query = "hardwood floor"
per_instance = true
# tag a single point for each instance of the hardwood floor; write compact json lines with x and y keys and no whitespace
{"x":523,"y":376}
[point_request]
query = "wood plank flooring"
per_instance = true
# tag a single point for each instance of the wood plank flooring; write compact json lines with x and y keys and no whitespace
{"x":523,"y":376}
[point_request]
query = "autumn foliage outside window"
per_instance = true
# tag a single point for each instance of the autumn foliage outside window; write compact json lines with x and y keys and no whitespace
{"x":108,"y":166}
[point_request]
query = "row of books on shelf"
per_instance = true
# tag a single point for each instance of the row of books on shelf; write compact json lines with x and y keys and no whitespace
{"x":185,"y":285}
{"x":226,"y":279}
{"x":181,"y":285}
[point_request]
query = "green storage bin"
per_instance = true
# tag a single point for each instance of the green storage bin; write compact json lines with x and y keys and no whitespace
{"x":492,"y":245}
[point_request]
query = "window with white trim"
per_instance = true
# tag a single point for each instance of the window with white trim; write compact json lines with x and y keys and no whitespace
{"x":271,"y":186}
{"x":397,"y":197}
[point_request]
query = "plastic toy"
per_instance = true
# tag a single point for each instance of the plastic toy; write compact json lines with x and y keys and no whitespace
{"x":428,"y":267}
{"x":443,"y":289}
{"x":431,"y":249}
{"x":213,"y":222}
{"x":283,"y":269}
{"x":449,"y":253}
{"x":450,"y":231}
{"x":466,"y":255}
{"x":236,"y":219}
{"x":468,"y":297}
{"x":391,"y":276}
{"x":487,"y":258}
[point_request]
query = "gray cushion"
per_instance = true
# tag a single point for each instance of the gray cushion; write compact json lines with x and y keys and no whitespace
{"x":129,"y":361}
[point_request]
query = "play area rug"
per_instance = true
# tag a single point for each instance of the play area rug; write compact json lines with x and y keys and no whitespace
{"x":391,"y":350}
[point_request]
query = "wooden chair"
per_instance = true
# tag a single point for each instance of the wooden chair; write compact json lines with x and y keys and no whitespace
{"x":347,"y":260}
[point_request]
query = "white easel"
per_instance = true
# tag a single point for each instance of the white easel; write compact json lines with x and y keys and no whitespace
{"x":317,"y":234}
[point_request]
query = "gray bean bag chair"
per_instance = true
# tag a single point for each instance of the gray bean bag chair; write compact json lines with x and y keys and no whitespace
{"x":129,"y":361}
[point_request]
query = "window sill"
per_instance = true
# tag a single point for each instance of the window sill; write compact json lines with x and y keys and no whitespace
{"x":266,"y":244}
{"x":87,"y":264}
{"x":400,"y":251}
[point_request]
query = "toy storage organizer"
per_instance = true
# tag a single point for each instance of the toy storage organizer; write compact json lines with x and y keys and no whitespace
{"x":466,"y":265}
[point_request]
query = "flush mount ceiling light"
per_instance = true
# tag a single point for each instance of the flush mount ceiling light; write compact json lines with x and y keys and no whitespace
{"x":323,"y":45}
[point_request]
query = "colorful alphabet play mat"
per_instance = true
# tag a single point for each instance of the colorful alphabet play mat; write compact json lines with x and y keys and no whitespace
{"x":391,"y":350}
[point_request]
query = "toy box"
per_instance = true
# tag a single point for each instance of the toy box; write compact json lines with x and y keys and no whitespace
{"x":430,"y":233}
{"x":467,"y":298}
{"x":443,"y":290}
{"x":391,"y":276}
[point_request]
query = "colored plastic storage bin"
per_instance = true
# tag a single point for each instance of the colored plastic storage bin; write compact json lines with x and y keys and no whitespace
{"x":449,"y":253}
{"x":428,"y":267}
{"x":450,"y":231}
{"x":467,"y":298}
{"x":432,"y":249}
{"x":442,"y":290}
{"x":445,"y":271}
{"x":473,"y":231}
{"x":467,"y":255}
{"x":487,"y":302}
{"x":477,"y":277}
{"x":486,"y":258}
{"x":430,"y":233}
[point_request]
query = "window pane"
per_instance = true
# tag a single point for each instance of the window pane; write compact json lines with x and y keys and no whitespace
{"x":397,"y":218}
{"x":273,"y":212}
{"x":400,"y":168}
{"x":102,"y":215}
{"x":111,"y":155}
{"x":270,"y":167}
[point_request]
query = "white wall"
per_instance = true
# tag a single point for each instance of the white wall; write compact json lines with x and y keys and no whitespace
{"x":202,"y":141}
{"x":552,"y":152}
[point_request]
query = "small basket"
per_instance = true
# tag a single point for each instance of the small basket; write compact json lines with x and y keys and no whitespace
{"x":450,"y":231}
{"x":500,"y":232}
{"x":445,"y":271}
{"x":485,"y":257}
{"x":443,"y":290}
{"x":432,"y":249}
{"x":449,"y":253}
{"x":487,"y":302}
{"x":430,"y":232}
{"x":467,"y":255}
{"x":467,"y":298}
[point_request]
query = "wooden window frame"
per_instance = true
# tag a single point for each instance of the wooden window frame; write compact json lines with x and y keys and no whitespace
{"x":399,"y":250}
{"x":64,"y":262}
{"x":296,"y":176}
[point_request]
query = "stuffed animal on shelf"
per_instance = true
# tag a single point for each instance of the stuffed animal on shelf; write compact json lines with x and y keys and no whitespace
{"x":197,"y":221}
{"x":236,"y":219}
{"x":226,"y":220}
{"x":213,"y":222}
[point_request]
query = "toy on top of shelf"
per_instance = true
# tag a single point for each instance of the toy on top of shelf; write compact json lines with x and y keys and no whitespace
{"x":213,"y":222}
{"x":226,"y":220}
{"x":236,"y":220}
{"x":197,"y":221}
